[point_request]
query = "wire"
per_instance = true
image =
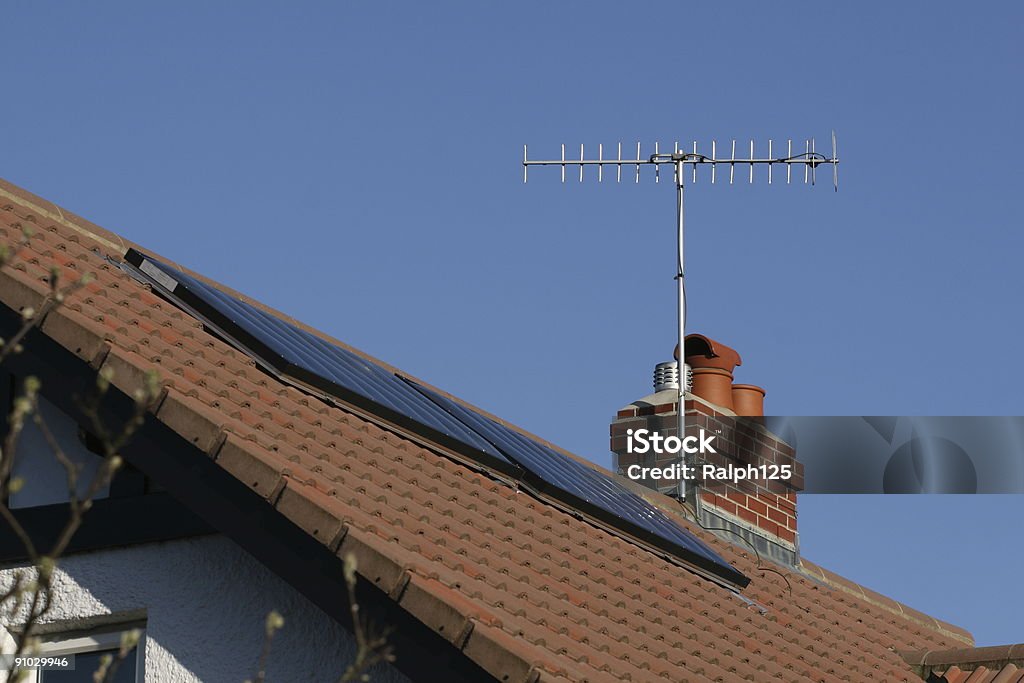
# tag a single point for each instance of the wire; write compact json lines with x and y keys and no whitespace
{"x":760,"y":566}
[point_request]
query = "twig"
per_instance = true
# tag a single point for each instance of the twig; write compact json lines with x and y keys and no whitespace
{"x":273,"y":624}
{"x":110,"y":663}
{"x":370,"y":650}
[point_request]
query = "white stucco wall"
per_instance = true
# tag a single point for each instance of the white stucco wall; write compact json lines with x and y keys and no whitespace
{"x":205,"y":602}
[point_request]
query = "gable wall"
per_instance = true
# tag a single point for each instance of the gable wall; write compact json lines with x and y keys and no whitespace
{"x":205,"y":602}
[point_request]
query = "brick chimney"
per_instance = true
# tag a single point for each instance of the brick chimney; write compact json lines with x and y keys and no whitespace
{"x":763,"y":513}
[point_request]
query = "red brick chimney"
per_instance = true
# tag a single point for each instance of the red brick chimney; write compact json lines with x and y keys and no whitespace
{"x":762,"y":512}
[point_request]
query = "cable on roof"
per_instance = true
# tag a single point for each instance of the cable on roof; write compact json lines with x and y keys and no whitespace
{"x":760,"y":567}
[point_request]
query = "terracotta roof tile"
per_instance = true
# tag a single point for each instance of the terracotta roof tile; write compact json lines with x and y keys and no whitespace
{"x":527,"y":590}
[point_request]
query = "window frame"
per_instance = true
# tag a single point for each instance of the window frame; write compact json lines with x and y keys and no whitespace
{"x":60,"y":643}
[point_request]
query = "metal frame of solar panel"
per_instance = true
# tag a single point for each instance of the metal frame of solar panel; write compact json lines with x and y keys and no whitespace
{"x":302,"y":355}
{"x":590,"y":491}
{"x":297,"y":353}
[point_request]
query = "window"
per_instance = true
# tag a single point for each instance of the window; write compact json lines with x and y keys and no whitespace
{"x":45,"y":479}
{"x":88,"y":649}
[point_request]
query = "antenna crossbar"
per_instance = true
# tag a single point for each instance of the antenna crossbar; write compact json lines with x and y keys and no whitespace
{"x":810,"y":159}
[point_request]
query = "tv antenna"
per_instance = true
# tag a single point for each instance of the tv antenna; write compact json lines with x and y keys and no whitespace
{"x":678,"y":159}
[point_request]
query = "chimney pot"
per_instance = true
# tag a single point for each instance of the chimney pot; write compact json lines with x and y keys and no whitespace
{"x":713,"y":385}
{"x":748,"y":400}
{"x":704,"y":352}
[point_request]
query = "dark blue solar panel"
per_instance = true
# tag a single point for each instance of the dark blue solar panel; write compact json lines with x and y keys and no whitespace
{"x":297,"y":348}
{"x":305,"y":356}
{"x":579,"y":481}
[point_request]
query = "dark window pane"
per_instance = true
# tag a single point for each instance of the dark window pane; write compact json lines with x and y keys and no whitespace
{"x":86,"y":663}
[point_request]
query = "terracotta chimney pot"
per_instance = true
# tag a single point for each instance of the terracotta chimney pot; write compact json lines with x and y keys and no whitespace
{"x":713,"y":385}
{"x":703,"y":352}
{"x":748,"y":400}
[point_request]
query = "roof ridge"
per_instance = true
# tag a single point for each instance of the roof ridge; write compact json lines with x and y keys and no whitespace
{"x":68,"y":219}
{"x":841,"y":583}
{"x":992,"y":656}
{"x":990,"y":663}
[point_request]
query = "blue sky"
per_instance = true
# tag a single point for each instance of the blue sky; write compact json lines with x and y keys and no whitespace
{"x":358,"y":167}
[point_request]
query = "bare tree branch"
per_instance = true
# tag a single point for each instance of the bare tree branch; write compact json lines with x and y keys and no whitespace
{"x":110,"y":663}
{"x":274,"y":623}
{"x":370,"y":649}
{"x":30,"y":595}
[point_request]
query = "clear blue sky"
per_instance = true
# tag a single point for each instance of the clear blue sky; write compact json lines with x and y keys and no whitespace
{"x":357,"y":165}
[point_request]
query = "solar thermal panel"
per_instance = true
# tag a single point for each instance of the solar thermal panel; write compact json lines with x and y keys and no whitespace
{"x":295,"y":352}
{"x":301,"y":354}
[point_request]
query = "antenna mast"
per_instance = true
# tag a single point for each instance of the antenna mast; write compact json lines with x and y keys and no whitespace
{"x":679,"y":160}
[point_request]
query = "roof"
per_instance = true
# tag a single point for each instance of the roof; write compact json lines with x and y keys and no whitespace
{"x":524,"y":588}
{"x":1001,"y":664}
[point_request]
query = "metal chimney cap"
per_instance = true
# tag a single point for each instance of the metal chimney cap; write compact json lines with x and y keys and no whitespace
{"x":666,"y":376}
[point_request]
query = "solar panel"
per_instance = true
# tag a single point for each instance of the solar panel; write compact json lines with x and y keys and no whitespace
{"x":301,"y":354}
{"x":298,"y":353}
{"x":553,"y":470}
